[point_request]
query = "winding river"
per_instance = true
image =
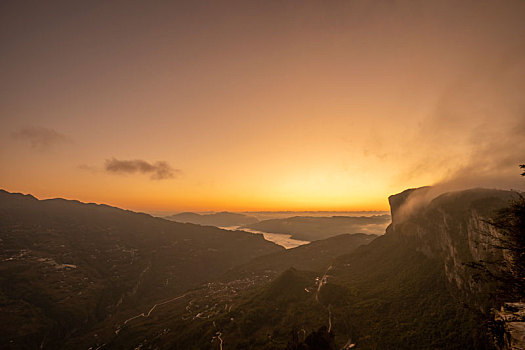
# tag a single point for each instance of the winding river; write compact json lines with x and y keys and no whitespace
{"x":278,"y":238}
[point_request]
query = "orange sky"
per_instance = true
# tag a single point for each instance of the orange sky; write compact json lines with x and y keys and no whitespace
{"x":274,"y":105}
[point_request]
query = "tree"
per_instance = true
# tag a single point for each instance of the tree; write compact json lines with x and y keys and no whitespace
{"x":510,"y":223}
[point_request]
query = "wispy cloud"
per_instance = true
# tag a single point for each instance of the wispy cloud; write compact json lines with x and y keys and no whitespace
{"x":474,"y":138}
{"x":159,"y":170}
{"x":40,"y":138}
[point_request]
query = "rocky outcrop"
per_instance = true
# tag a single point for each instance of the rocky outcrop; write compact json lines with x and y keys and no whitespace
{"x":453,"y":227}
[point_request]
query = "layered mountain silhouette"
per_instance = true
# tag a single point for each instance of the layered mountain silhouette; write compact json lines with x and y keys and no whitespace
{"x":311,"y":228}
{"x":222,"y":219}
{"x":81,"y":275}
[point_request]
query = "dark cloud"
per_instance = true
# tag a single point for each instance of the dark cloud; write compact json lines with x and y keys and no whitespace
{"x":159,"y":170}
{"x":40,"y":138}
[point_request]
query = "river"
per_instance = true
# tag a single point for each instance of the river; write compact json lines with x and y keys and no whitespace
{"x":281,"y":239}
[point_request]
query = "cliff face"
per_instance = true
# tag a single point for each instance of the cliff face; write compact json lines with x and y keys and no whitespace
{"x":452,"y":228}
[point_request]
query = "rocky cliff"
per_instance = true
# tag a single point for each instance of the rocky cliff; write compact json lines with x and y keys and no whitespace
{"x":454,"y":228}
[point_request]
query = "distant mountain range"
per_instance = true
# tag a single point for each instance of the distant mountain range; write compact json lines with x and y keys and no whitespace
{"x":79,"y":276}
{"x":305,"y":228}
{"x":311,"y":228}
{"x":222,"y":219}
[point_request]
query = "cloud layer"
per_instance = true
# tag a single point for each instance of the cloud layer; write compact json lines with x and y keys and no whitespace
{"x":159,"y":170}
{"x":40,"y":138}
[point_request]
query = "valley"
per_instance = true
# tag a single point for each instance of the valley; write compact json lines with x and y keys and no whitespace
{"x":128,"y":280}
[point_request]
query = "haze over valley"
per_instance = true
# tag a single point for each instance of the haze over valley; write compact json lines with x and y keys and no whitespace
{"x":288,"y":229}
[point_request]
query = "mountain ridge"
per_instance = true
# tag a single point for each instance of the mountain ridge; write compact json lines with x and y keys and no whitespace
{"x":72,"y":265}
{"x":411,"y":288}
{"x":220,"y":219}
{"x":398,"y":291}
{"x":311,"y":228}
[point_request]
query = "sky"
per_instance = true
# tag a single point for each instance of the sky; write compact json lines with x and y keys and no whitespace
{"x":259,"y":105}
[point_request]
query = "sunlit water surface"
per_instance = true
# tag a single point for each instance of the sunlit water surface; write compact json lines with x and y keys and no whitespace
{"x":278,"y":238}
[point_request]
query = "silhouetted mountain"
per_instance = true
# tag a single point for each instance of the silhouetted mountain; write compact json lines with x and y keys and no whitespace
{"x":66,"y":266}
{"x":411,"y":288}
{"x":311,"y":228}
{"x":222,"y":219}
